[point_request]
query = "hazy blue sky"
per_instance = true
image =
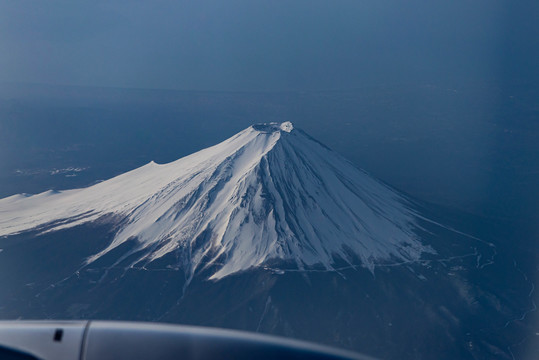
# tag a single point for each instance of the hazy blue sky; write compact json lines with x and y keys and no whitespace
{"x":266,"y":45}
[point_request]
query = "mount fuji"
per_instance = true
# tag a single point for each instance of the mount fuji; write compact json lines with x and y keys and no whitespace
{"x":267,"y":231}
{"x":269,"y":193}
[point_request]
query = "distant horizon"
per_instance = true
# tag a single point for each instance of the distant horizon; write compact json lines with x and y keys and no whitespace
{"x":269,"y":91}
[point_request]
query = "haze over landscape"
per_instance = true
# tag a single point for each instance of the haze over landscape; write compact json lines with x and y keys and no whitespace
{"x":432,"y":104}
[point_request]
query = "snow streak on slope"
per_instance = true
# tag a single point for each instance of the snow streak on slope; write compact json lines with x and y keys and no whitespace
{"x":268,"y":193}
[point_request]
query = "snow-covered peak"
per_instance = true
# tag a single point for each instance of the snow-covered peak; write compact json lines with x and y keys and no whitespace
{"x":287,"y":126}
{"x":266,"y":195}
{"x":274,"y":127}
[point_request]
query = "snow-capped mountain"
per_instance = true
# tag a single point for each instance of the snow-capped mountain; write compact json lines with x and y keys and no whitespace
{"x":267,"y":231}
{"x":268,"y":193}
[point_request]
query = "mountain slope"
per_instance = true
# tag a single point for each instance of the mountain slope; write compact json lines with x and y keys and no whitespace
{"x":268,"y":193}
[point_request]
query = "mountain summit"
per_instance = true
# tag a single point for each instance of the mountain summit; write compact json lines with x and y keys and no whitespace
{"x":269,"y":196}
